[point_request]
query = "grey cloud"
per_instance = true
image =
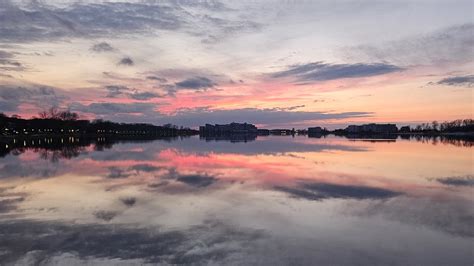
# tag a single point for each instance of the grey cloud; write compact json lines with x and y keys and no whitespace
{"x":186,"y":73}
{"x":108,"y":155}
{"x":19,"y":169}
{"x":102,"y":47}
{"x":126,"y":61}
{"x":453,"y":44}
{"x":105,"y":215}
{"x":196,"y":83}
{"x":465,"y":81}
{"x":197,"y":180}
{"x":87,"y":20}
{"x":467,"y":181}
{"x":291,"y":108}
{"x":115,"y":172}
{"x":10,"y":204}
{"x":129,"y":202}
{"x":321,"y":191}
{"x":82,"y":20}
{"x":453,"y":215}
{"x":119,"y":77}
{"x":220,"y":28}
{"x":7,"y":106}
{"x":116,"y":90}
{"x":174,"y":182}
{"x":145,"y":168}
{"x":5,"y":75}
{"x":40,"y":96}
{"x":46,"y":91}
{"x":159,"y":79}
{"x":9,"y":200}
{"x":173,"y":178}
{"x":8,"y":63}
{"x":11,"y":93}
{"x":218,"y":242}
{"x":135,"y":170}
{"x":111,"y":109}
{"x":5,"y":55}
{"x":157,"y":185}
{"x":187,"y":79}
{"x":319,"y":71}
{"x":144,"y":95}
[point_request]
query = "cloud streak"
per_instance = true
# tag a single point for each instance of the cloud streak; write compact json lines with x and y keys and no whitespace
{"x":40,"y":96}
{"x":40,"y":22}
{"x":195,"y":83}
{"x":218,"y":240}
{"x":102,"y":47}
{"x":114,"y":91}
{"x":9,"y":63}
{"x":320,"y":71}
{"x":126,"y":61}
{"x":462,"y":81}
{"x":322,"y":191}
{"x":458,"y":181}
{"x":111,"y":109}
{"x":450,"y":44}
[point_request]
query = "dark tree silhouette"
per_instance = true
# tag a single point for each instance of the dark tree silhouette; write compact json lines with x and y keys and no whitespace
{"x":55,"y":113}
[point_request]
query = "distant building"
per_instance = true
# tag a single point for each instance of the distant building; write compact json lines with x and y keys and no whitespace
{"x":229,"y":137}
{"x":282,"y":132}
{"x":232,"y":128}
{"x":405,"y":129}
{"x":315,"y":130}
{"x":372,"y":128}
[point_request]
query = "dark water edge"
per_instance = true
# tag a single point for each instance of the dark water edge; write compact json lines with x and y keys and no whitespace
{"x":69,"y":142}
{"x":70,"y":145}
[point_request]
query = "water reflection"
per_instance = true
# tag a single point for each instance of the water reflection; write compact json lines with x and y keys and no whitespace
{"x":267,"y":200}
{"x":67,"y":147}
{"x":321,"y":191}
{"x":457,"y":180}
{"x":457,"y":140}
{"x":212,"y":241}
{"x":231,"y":138}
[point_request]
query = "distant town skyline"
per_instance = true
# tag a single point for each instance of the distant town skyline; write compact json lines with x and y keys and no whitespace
{"x":270,"y":63}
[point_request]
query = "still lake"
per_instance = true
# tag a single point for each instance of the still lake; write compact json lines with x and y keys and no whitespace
{"x":274,"y":200}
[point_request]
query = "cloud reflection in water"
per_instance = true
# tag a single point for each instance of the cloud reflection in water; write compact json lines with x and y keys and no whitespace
{"x":221,"y":202}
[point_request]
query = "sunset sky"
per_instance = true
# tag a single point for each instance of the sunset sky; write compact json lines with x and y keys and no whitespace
{"x":292,"y":63}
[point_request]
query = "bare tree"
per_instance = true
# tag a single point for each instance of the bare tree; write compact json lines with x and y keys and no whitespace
{"x":43,"y":114}
{"x":68,"y":116}
{"x":54,"y":113}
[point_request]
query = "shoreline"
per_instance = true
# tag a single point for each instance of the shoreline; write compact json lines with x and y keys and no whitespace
{"x":342,"y":134}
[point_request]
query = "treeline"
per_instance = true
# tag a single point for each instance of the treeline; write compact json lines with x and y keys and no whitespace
{"x":459,"y":125}
{"x":55,"y":122}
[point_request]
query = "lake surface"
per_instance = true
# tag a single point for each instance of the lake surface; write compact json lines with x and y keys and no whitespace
{"x":275,"y":200}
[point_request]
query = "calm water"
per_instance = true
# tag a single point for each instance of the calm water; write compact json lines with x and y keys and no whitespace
{"x":275,"y":200}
